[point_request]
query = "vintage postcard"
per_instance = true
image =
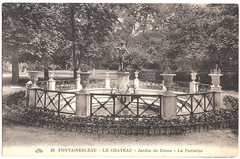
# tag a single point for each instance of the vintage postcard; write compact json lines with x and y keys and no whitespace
{"x":120,"y":79}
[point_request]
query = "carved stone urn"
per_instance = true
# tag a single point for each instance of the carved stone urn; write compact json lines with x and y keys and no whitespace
{"x":215,"y":75}
{"x":168,"y":80}
{"x":33,"y":75}
{"x":193,"y":76}
{"x":84,"y":79}
{"x":216,"y":79}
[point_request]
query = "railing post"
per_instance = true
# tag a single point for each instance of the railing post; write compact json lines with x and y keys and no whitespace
{"x":194,"y":87}
{"x":59,"y":103}
{"x":193,"y":84}
{"x":45,"y":100}
{"x":191,"y":113}
{"x":169,"y":106}
{"x":27,"y":97}
{"x":114,"y":105}
{"x":51,"y":84}
{"x":136,"y":80}
{"x":160,"y":106}
{"x":218,"y":99}
{"x":32,"y":97}
{"x":107,"y":81}
{"x":137,"y":106}
{"x":83,"y":104}
{"x":78,"y":83}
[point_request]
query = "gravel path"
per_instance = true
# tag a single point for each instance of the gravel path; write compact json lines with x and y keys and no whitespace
{"x":214,"y":143}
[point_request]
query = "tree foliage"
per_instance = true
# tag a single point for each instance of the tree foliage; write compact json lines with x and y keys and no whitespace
{"x":182,"y":36}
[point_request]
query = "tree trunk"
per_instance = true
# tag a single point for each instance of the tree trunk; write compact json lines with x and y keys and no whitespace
{"x":75,"y":74}
{"x":15,"y":66}
{"x":75,"y":69}
{"x":46,"y":74}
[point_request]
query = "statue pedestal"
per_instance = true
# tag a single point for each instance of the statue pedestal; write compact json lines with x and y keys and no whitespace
{"x":122,"y":81}
{"x":122,"y":86}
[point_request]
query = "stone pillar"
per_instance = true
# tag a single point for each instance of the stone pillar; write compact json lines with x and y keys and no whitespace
{"x":169,"y":107}
{"x":82,"y":104}
{"x":107,"y":81}
{"x":194,"y":87}
{"x":31,"y":97}
{"x":122,"y":81}
{"x":217,"y":89}
{"x":218,"y":96}
{"x":78,"y":83}
{"x":136,"y":80}
{"x":122,"y":85}
{"x":51,"y":84}
{"x":193,"y":84}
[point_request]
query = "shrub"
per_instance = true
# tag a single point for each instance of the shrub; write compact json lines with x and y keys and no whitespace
{"x":17,"y":98}
{"x":230,"y":102}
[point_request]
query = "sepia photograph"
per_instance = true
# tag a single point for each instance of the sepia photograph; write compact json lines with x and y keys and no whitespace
{"x":120,"y":79}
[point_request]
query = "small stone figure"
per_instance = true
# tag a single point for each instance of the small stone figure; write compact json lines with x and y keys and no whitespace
{"x":122,"y":54}
{"x":168,"y":70}
{"x":217,"y":70}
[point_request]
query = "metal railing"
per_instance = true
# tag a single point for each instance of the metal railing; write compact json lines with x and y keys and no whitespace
{"x":60,"y":84}
{"x":42,"y":84}
{"x":189,"y":104}
{"x":180,"y":86}
{"x":117,"y":105}
{"x":60,"y":102}
{"x":204,"y":87}
{"x":97,"y":84}
{"x":151,"y":85}
{"x":65,"y":84}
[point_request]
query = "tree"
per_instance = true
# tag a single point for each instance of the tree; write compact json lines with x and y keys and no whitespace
{"x":223,"y":39}
{"x":90,"y":25}
{"x":15,"y":33}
